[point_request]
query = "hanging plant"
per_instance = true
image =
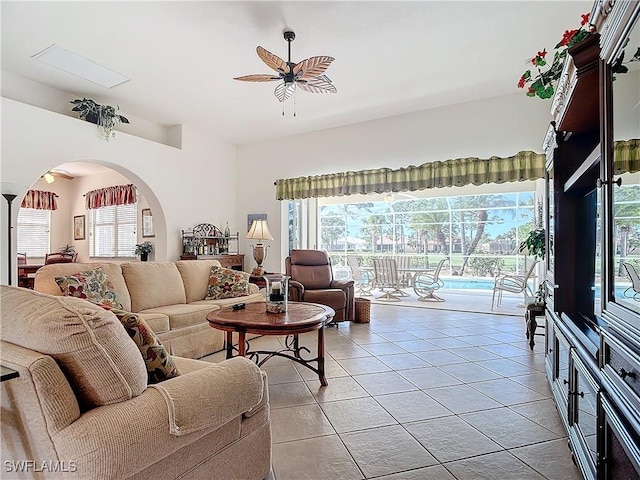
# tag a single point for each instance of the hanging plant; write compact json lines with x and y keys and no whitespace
{"x":105,"y":117}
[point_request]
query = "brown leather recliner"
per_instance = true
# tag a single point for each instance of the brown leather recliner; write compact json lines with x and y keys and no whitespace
{"x":312,"y":281}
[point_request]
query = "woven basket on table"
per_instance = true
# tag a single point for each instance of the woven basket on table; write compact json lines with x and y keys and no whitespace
{"x":363,"y":310}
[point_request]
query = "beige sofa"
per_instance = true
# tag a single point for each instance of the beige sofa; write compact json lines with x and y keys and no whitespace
{"x":81,"y":407}
{"x":168,"y":295}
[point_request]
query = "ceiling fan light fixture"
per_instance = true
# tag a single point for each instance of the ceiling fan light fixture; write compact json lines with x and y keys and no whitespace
{"x":307,"y":74}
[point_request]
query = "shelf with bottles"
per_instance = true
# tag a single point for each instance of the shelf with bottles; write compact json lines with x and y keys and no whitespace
{"x":207,"y":239}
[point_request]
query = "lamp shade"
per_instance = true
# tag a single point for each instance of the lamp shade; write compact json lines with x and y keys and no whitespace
{"x":259,"y":231}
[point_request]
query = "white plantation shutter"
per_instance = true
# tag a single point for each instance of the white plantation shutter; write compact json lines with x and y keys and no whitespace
{"x":33,"y":232}
{"x":112,"y":231}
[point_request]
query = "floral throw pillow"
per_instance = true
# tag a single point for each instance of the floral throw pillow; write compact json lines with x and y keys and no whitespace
{"x":159,"y":363}
{"x":92,"y":285}
{"x":227,"y":283}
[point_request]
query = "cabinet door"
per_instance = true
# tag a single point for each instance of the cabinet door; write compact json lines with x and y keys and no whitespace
{"x":584,"y":429}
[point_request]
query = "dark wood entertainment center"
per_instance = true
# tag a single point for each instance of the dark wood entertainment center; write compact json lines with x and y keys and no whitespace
{"x":592,"y":354}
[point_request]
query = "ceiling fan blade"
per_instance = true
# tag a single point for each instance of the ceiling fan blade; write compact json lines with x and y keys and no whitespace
{"x":58,"y":174}
{"x":273,"y":61}
{"x":321,"y":84}
{"x":284,"y":91}
{"x":312,"y":67}
{"x":259,"y":77}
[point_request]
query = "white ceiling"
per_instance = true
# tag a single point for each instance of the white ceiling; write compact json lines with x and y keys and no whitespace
{"x":390,"y":57}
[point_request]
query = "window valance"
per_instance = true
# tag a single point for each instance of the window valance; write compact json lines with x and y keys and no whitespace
{"x":40,"y":200}
{"x":524,"y":165}
{"x":116,"y":195}
{"x":626,"y":156}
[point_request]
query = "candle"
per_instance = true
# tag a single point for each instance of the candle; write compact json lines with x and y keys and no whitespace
{"x":276,"y":287}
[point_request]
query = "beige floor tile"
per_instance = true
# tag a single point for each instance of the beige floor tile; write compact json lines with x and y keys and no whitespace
{"x":403,"y":452}
{"x":507,"y":392}
{"x":339,"y":352}
{"x":448,"y":342}
{"x":356,"y":414}
{"x":440,"y":357}
{"x":473,"y":354}
{"x":437,"y":472}
{"x":468,"y":372}
{"x":535,"y":381}
{"x":386,"y":348}
{"x":320,"y":458}
{"x":450,"y":438}
{"x":429,"y":377}
{"x":507,"y":350}
{"x":297,"y":423}
{"x":412,"y":406}
{"x":543,"y":413}
{"x":282,"y":374}
{"x":550,"y":459}
{"x":289,"y":395}
{"x":403,"y":361}
{"x":506,"y":367}
{"x":398,"y":336}
{"x":339,"y":388}
{"x":462,"y":399}
{"x":413,"y":346}
{"x":507,"y":428}
{"x":331,"y":369}
{"x":384,"y":382}
{"x":494,"y":466}
{"x":360,"y":366}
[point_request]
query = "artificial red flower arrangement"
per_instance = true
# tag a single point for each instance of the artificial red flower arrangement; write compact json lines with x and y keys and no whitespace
{"x":542,"y":82}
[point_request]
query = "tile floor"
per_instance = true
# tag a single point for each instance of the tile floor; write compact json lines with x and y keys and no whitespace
{"x":418,"y":394}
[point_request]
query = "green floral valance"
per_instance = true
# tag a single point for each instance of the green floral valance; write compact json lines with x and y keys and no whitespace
{"x":626,"y":156}
{"x":457,"y":172}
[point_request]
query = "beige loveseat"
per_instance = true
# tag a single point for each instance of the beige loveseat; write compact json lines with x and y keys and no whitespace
{"x":169,"y":296}
{"x":81,"y":407}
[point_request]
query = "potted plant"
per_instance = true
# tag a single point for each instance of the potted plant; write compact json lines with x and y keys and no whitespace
{"x":535,"y":243}
{"x":144,"y":249}
{"x":70,"y":249}
{"x":105,"y":117}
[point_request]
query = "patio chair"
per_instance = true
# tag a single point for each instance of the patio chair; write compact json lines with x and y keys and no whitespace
{"x":513,"y":284}
{"x":427,"y":282}
{"x":635,"y":282}
{"x":362,"y":278}
{"x":386,"y":279}
{"x":403,"y":263}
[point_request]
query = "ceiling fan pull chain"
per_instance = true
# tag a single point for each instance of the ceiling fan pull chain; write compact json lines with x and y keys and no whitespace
{"x":282,"y":108}
{"x":294,"y":104}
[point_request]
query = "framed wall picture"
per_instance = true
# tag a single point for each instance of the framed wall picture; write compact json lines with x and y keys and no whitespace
{"x":79,"y":227}
{"x":254,"y":216}
{"x":147,"y":223}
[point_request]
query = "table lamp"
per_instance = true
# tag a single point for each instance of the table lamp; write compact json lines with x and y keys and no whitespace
{"x":259,"y":231}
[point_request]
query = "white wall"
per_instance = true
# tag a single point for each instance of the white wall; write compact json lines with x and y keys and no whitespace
{"x":183,"y":187}
{"x":499,"y":126}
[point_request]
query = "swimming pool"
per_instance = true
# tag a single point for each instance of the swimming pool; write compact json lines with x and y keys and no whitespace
{"x":461,"y":283}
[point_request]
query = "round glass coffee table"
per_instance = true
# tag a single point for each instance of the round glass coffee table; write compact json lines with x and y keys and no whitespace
{"x":300,"y":317}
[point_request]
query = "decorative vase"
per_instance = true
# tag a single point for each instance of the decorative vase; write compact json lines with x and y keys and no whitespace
{"x":277,"y":293}
{"x":144,"y":257}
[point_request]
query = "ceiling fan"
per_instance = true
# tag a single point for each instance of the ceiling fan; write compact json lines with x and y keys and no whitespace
{"x":307,"y":74}
{"x":51,"y":175}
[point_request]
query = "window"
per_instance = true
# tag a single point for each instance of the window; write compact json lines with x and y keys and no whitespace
{"x":33,"y":232}
{"x":112,"y":231}
{"x":478,"y":233}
